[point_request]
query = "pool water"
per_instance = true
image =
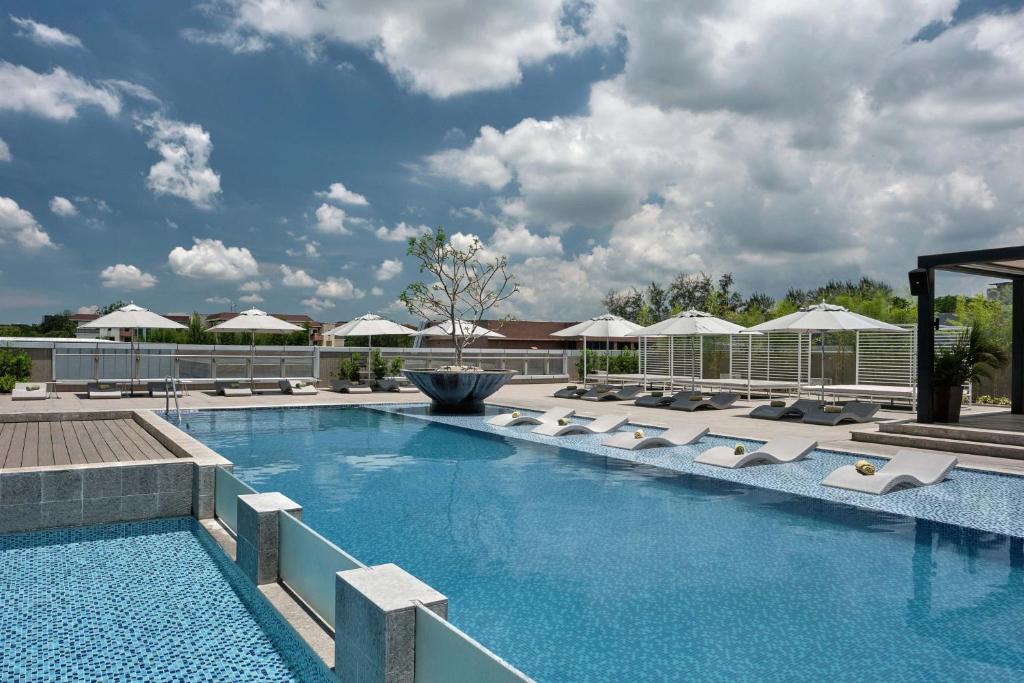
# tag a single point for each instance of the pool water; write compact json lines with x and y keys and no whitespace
{"x":580,"y":568}
{"x":150,"y":601}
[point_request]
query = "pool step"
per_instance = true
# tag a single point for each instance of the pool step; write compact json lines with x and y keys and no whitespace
{"x":946,"y":438}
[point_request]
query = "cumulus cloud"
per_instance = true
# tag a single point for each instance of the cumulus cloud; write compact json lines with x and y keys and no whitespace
{"x":18,"y":224}
{"x":296,"y":278}
{"x":331,"y":219}
{"x":310,"y":249}
{"x":57,"y":95}
{"x":233,"y":40}
{"x":139,"y":92}
{"x":785,"y":143}
{"x":43,"y":34}
{"x":339,"y":288}
{"x":337,"y":192}
{"x":254,"y":286}
{"x":376,"y":291}
{"x":317,"y":305}
{"x":210,"y":259}
{"x":89,"y":310}
{"x":251,"y":299}
{"x":184,"y":169}
{"x":5,"y":151}
{"x":401,"y":232}
{"x":389,"y":269}
{"x":220,"y":300}
{"x":485,"y":45}
{"x":63,"y":207}
{"x":126,"y":278}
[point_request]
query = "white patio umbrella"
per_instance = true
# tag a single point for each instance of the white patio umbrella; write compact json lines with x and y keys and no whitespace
{"x":252,"y":321}
{"x":463,"y":328}
{"x":134,"y":318}
{"x":689,"y":324}
{"x":823,"y":318}
{"x":369,"y":326}
{"x":605,"y":327}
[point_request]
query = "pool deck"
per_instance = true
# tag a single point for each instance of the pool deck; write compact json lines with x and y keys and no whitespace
{"x":732,"y":422}
{"x":76,"y":442}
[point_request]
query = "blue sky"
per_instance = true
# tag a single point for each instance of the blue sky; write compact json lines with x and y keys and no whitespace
{"x":184,"y":155}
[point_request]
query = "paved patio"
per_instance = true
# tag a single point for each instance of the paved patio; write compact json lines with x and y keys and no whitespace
{"x":731,"y":422}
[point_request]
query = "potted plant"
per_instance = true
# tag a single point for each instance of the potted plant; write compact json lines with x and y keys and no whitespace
{"x":465,"y":285}
{"x":973,"y":357}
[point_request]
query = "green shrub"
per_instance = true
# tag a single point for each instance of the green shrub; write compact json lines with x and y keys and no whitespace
{"x":379,"y":365}
{"x":395,"y":367}
{"x":626,"y":361}
{"x":15,"y":364}
{"x":7,"y":384}
{"x":993,"y":400}
{"x":349,"y":368}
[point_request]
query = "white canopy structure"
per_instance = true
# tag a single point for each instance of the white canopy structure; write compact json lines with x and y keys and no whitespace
{"x":605,"y":327}
{"x":463,"y":328}
{"x":370,"y":326}
{"x":823,"y":318}
{"x":132,"y":317}
{"x":252,"y":321}
{"x":690,"y":324}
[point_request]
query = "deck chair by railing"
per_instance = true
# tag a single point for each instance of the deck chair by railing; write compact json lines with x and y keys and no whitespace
{"x":394,"y":386}
{"x":232,"y":388}
{"x":29,"y":391}
{"x":344,"y":386}
{"x":160,"y":389}
{"x":103,"y":390}
{"x":906,"y":469}
{"x":777,"y":451}
{"x":297,"y":387}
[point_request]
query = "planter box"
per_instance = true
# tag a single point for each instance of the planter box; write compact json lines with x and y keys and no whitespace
{"x":947,"y":404}
{"x":458,"y":392}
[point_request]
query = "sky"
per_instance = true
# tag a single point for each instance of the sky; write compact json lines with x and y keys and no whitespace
{"x":199,"y":156}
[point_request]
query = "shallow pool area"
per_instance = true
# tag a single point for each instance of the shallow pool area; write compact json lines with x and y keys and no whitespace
{"x":145,"y":601}
{"x":576,"y":567}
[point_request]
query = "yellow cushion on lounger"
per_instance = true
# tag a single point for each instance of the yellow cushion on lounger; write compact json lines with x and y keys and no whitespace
{"x":778,"y":404}
{"x":104,"y":387}
{"x":864,"y":467}
{"x":740,"y":449}
{"x":833,"y":409}
{"x":697,"y":397}
{"x":638,"y":434}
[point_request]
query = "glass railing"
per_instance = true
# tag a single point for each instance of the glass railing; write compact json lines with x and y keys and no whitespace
{"x":444,"y":654}
{"x":307,"y":564}
{"x":227,"y":489}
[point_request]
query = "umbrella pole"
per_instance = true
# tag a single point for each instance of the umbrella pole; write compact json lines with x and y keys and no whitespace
{"x":750,"y":358}
{"x":252,"y":360}
{"x":369,"y":359}
{"x":584,"y":360}
{"x":607,"y":358}
{"x":822,"y":378}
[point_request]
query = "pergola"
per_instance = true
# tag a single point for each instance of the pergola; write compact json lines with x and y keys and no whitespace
{"x":1004,"y":262}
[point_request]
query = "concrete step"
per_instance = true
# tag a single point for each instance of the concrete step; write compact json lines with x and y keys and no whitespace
{"x":935,"y":443}
{"x":954,"y":431}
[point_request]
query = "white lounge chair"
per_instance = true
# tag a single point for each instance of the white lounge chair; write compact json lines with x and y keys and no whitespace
{"x":29,"y":391}
{"x":775,"y":452}
{"x":907,"y":468}
{"x":297,"y":387}
{"x":233,"y":388}
{"x":676,"y":436}
{"x":102,"y":390}
{"x":344,"y":386}
{"x":602,"y":425}
{"x":553,"y":415}
{"x":160,"y":389}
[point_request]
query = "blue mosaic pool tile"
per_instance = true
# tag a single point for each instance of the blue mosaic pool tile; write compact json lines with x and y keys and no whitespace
{"x":148,"y":601}
{"x":978,"y":500}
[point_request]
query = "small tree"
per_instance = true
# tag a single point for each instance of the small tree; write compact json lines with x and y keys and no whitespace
{"x":465,"y":287}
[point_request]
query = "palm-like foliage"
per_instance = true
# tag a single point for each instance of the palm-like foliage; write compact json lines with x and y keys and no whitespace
{"x":973,"y":357}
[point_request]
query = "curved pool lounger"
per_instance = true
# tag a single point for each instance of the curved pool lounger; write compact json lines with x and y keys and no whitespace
{"x":553,"y":415}
{"x":103,"y":390}
{"x":232,"y":388}
{"x":715,"y":402}
{"x":797,"y":409}
{"x":775,"y":452}
{"x":906,"y":469}
{"x":620,"y":394}
{"x":602,"y":425}
{"x":651,"y":401}
{"x":344,"y":386}
{"x":571,"y":391}
{"x":677,"y":436}
{"x":29,"y":391}
{"x":296,"y":387}
{"x":854,"y":411}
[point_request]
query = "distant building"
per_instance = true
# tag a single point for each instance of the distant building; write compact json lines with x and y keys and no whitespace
{"x":1000,"y":291}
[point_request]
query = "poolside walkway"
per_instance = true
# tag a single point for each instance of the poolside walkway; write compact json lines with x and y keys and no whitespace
{"x":732,"y":422}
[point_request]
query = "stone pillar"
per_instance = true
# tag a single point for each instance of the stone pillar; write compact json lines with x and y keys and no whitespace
{"x":375,"y":623}
{"x":258,"y":536}
{"x":203,"y":489}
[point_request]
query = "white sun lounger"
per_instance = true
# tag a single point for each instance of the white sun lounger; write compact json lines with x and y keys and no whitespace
{"x":907,"y":468}
{"x":232,"y":389}
{"x":602,"y":425}
{"x":22,"y":392}
{"x":676,"y":436}
{"x":553,"y":415}
{"x":775,"y":452}
{"x":103,"y":390}
{"x":297,"y":387}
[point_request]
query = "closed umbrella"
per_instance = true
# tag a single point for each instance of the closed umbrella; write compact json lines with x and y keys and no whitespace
{"x":823,"y":318}
{"x":605,"y":327}
{"x":252,"y":321}
{"x":134,"y":318}
{"x":689,"y":324}
{"x":369,"y":326}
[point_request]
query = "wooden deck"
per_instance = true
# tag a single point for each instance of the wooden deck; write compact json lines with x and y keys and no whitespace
{"x":76,"y":442}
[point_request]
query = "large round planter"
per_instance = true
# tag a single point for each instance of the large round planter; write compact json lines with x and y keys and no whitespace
{"x":458,"y":392}
{"x":947,"y":404}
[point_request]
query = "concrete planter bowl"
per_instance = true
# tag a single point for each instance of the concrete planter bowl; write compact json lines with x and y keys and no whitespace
{"x":458,"y":392}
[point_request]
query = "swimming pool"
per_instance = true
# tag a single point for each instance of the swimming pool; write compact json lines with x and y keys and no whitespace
{"x":149,"y":601}
{"x":579,"y":568}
